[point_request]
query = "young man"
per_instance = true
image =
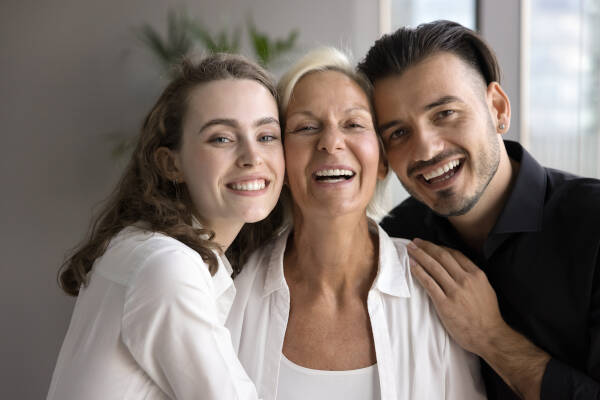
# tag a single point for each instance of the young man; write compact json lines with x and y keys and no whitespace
{"x":525,"y":296}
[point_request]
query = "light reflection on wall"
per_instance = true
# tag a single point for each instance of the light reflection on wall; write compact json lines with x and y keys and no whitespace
{"x":564,"y":81}
{"x":415,"y":12}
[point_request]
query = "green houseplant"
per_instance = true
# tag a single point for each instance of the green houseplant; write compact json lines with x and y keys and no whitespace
{"x":185,"y":34}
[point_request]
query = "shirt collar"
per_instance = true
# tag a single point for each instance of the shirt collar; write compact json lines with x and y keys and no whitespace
{"x":274,"y":279}
{"x":523,"y":211}
{"x":222,"y":279}
{"x":393,"y":263}
{"x":391,"y":274}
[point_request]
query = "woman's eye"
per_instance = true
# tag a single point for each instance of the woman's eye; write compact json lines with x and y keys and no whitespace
{"x":220,"y":139}
{"x":304,"y":128}
{"x":355,"y":125}
{"x":267,"y":138}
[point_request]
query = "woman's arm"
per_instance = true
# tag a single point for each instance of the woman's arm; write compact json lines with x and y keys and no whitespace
{"x":172,"y":328}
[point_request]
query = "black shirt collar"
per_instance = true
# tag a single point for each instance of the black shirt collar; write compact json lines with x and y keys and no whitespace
{"x":523,"y":211}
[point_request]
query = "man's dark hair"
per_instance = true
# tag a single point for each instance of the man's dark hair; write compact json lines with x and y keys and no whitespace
{"x":392,"y":54}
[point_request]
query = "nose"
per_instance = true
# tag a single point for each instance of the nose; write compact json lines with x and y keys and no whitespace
{"x":427,"y":143}
{"x":249,"y":155}
{"x":331,"y":139}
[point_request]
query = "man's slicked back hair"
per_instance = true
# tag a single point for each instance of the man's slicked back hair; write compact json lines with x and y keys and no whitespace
{"x":392,"y":54}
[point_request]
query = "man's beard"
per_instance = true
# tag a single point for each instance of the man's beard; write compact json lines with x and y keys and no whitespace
{"x":485,"y":168}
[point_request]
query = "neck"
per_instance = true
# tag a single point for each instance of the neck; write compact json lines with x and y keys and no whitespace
{"x":475,"y":226}
{"x":332,"y":255}
{"x":225,"y":231}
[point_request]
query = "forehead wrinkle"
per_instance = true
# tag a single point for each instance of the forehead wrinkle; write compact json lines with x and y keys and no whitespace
{"x":358,"y":108}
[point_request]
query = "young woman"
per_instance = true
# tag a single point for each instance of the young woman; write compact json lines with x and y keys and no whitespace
{"x":153,"y":286}
{"x":329,"y":310}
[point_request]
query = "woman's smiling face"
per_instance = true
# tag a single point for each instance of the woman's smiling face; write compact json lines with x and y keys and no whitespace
{"x":332,"y":151}
{"x":231,"y":157}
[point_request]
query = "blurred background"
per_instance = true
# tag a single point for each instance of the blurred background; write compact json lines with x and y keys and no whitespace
{"x":77,"y":77}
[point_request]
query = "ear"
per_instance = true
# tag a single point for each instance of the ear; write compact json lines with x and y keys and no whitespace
{"x":169,"y":163}
{"x":499,"y":106}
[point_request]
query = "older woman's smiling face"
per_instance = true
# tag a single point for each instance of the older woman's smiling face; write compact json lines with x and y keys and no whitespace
{"x":331,"y":149}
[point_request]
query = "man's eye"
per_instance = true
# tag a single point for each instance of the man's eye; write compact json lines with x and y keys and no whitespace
{"x":445,"y":113}
{"x":397,"y":133}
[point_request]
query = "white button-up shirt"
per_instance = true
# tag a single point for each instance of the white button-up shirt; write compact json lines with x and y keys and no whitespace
{"x":416,"y":358}
{"x":150,"y":325}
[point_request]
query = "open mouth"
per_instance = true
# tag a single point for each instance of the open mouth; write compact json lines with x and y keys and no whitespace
{"x":442,"y":173}
{"x":249,"y":186}
{"x":334,"y":175}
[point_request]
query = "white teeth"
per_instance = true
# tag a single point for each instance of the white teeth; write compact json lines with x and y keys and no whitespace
{"x":334,"y":172}
{"x":441,"y":170}
{"x":258,"y":184}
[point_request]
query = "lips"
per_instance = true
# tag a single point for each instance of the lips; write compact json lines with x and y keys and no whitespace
{"x":250,"y":185}
{"x":333,"y":175}
{"x":442,"y":173}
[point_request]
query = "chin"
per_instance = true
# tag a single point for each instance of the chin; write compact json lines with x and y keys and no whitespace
{"x":453,"y":206}
{"x":255,"y":215}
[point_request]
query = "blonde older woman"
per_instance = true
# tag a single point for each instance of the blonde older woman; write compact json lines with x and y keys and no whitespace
{"x":329,"y":309}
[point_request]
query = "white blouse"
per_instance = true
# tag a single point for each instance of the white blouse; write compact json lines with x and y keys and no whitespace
{"x":150,"y":326}
{"x":416,"y":359}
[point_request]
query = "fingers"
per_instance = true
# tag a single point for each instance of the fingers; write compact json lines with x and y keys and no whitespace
{"x":463,"y":260}
{"x":431,"y":287}
{"x":433,"y":258}
{"x":432,"y":267}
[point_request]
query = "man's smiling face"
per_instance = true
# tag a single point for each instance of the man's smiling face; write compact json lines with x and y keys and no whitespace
{"x":436,"y":122}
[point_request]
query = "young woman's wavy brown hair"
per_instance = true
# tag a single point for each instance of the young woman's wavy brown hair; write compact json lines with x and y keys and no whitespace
{"x":145,"y":195}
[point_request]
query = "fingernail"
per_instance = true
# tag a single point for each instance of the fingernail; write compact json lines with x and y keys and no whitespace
{"x":411,"y":246}
{"x":417,"y":241}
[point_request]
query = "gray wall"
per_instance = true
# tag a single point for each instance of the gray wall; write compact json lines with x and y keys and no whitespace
{"x":500,"y":26}
{"x":71,"y":73}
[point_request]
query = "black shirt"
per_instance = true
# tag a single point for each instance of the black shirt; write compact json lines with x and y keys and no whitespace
{"x":543,"y":260}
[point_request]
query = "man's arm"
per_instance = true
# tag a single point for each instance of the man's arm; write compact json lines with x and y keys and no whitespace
{"x":468,"y":308}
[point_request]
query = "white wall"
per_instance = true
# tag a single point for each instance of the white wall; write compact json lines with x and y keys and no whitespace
{"x":72,"y":72}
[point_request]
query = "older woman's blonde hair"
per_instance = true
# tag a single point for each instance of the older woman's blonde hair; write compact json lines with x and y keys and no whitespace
{"x":332,"y":59}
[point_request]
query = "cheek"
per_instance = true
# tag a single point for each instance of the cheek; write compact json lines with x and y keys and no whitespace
{"x":278,"y":161}
{"x":297,"y":157}
{"x":396,"y":160}
{"x":200,"y":167}
{"x":369,"y":151}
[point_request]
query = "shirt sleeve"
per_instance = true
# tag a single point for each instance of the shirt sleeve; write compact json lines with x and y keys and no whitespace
{"x":463,"y":374}
{"x":171,"y":327}
{"x":562,"y":381}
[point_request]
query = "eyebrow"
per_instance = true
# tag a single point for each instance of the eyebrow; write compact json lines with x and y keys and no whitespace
{"x":347,"y":110}
{"x":266,"y":121}
{"x":234,"y":124}
{"x":439,"y":102}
